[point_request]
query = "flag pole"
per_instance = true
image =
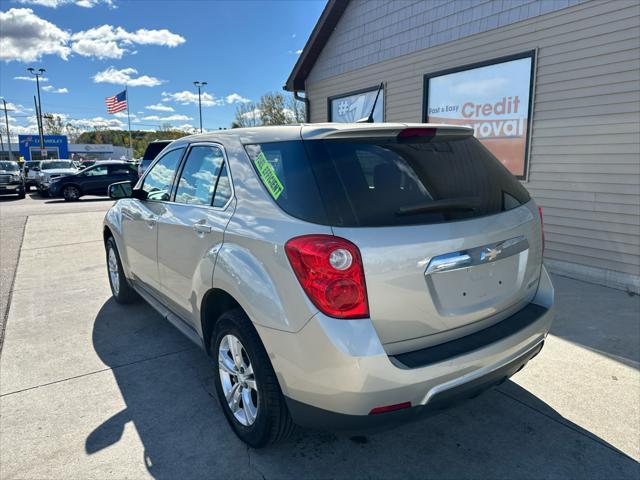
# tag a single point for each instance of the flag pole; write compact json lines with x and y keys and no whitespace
{"x":126,"y":89}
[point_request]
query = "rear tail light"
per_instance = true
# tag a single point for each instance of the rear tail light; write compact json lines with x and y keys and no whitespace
{"x":541,"y":227}
{"x":330,"y":272}
{"x":417,"y":132}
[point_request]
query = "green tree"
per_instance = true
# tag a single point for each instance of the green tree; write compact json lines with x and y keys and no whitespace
{"x":120,"y":138}
{"x":274,"y":108}
{"x":52,"y":124}
{"x":247,"y":115}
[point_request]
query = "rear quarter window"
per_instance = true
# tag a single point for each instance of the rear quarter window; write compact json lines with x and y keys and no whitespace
{"x":285,"y":172}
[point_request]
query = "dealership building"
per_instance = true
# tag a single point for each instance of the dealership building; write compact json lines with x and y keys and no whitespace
{"x":57,"y":146}
{"x":551,"y":87}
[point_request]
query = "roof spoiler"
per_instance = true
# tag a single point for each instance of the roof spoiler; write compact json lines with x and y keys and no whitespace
{"x":399,"y":131}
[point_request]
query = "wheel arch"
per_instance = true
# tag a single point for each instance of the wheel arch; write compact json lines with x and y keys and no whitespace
{"x":214,"y":303}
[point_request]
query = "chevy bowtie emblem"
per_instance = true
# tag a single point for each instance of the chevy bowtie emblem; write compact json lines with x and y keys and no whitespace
{"x":490,"y":254}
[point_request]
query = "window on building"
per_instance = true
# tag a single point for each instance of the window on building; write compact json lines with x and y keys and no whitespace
{"x":494,"y":98}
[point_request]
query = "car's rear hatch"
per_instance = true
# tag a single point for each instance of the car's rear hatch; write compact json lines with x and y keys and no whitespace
{"x":450,"y":241}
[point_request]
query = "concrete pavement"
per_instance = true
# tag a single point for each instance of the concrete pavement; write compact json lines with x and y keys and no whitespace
{"x":93,"y":389}
{"x":13,"y":216}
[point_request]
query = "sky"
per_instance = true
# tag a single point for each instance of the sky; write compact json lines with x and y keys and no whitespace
{"x":92,"y":48}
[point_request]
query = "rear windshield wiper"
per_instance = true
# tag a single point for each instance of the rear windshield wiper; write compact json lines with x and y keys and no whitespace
{"x":463,"y":203}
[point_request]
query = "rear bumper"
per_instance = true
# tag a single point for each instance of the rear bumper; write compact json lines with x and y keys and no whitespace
{"x":334,"y":372}
{"x":440,"y":398}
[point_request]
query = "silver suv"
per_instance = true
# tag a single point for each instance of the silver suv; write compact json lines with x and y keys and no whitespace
{"x":342,"y":276}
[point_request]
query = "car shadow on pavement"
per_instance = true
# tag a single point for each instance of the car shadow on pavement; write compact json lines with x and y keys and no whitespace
{"x":167,"y":387}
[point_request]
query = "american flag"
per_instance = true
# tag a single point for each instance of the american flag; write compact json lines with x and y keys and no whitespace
{"x":117,"y":103}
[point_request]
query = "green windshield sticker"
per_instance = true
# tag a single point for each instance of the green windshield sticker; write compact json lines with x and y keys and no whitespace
{"x":268,"y":175}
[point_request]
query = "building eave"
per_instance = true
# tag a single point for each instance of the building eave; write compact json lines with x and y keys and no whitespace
{"x":317,"y":40}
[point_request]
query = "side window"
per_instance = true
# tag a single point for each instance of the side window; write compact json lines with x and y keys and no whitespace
{"x":123,"y":169}
{"x":98,"y":171}
{"x":159,"y":180}
{"x":198,"y":179}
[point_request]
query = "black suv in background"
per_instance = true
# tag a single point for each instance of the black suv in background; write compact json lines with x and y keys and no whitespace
{"x":94,"y":180}
{"x":11,"y":179}
{"x":150,"y":154}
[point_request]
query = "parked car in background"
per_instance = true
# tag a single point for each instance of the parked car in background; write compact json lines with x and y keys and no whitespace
{"x":151,"y":152}
{"x":30,"y":170}
{"x":94,"y":180}
{"x":11,"y":179}
{"x":341,"y":276}
{"x":50,"y":169}
{"x":85,"y":163}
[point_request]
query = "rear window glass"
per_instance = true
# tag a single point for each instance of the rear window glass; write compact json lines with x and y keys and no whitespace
{"x":389,"y":182}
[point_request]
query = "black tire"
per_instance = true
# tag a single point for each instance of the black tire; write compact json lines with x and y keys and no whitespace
{"x":273,"y":422}
{"x":123,"y":293}
{"x":21,"y":194}
{"x":71,"y":193}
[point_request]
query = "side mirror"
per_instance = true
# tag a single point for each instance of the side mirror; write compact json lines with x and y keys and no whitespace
{"x":120,"y":190}
{"x":36,"y":169}
{"x":139,"y":194}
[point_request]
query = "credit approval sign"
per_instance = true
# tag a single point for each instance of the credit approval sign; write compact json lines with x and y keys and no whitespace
{"x":494,"y":98}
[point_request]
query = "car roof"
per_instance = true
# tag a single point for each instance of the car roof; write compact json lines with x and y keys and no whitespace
{"x":314,"y":131}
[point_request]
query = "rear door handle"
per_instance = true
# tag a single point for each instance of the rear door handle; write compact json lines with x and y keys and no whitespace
{"x":201,"y":227}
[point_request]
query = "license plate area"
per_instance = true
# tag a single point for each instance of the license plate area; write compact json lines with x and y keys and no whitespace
{"x":474,"y":283}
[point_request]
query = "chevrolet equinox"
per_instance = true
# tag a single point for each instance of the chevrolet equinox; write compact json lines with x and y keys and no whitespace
{"x":342,"y":276}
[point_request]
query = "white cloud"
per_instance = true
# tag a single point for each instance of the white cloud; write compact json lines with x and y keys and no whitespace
{"x":188,"y":128}
{"x":158,"y":107}
{"x":235,"y":98}
{"x":59,"y":3}
{"x":125,"y":77}
{"x":186,"y":97}
{"x":124,"y":115}
{"x":298,"y":52}
{"x":31,"y":79}
{"x":98,"y":49}
{"x":169,"y":118}
{"x":15,"y":109}
{"x":99,"y":123}
{"x":108,"y":41}
{"x":27,"y":37}
{"x":52,"y":89}
{"x":252,"y":115}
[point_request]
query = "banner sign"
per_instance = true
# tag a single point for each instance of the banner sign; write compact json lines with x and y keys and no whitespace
{"x":351,"y":107}
{"x":492,"y":98}
{"x":55,"y":146}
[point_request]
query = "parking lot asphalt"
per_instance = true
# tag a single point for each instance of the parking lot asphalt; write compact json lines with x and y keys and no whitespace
{"x":93,"y":389}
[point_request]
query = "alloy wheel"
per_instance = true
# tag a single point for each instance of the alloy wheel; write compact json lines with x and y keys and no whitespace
{"x":72,"y":193}
{"x":112,"y":264}
{"x":238,"y":380}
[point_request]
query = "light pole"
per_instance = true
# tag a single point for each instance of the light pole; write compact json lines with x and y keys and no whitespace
{"x":38,"y":73}
{"x":200,"y":85}
{"x":6,"y":119}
